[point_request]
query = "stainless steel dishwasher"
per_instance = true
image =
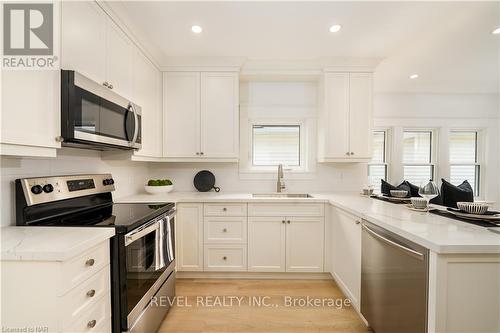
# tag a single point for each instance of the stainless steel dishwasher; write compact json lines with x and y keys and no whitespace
{"x":394,"y":282}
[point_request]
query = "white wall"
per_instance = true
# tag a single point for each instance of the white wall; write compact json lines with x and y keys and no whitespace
{"x":444,"y":112}
{"x":129,"y":176}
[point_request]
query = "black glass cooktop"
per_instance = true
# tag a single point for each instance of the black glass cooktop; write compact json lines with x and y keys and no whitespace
{"x":124,"y":217}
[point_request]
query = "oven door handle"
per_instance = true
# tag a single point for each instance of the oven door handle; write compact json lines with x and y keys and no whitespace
{"x":135,"y":235}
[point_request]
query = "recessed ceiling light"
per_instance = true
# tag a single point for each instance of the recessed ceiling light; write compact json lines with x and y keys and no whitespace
{"x":196,"y":29}
{"x":413,"y":76}
{"x":496,"y":31}
{"x":335,"y":28}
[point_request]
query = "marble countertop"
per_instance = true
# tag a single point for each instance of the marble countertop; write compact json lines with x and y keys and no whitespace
{"x":49,"y":243}
{"x":439,"y":234}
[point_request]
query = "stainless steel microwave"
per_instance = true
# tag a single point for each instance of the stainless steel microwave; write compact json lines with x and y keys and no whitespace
{"x":94,"y":117}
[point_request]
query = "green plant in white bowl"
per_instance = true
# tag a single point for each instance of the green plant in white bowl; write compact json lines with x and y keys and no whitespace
{"x":156,"y":186}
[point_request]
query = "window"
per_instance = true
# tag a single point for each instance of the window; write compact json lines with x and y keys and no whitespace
{"x":417,"y":156}
{"x":276,"y":144}
{"x":377,"y":168}
{"x":464,"y":158}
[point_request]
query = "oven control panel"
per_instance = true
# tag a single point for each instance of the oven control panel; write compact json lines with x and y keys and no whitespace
{"x":49,"y":189}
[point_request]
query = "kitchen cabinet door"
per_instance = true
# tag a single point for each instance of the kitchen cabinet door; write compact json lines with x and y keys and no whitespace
{"x":29,"y":126}
{"x":347,"y":253}
{"x":119,"y":52}
{"x":147,"y":94}
{"x":219,"y":115}
{"x":304,"y":244}
{"x":181,"y":119}
{"x":83,"y":34}
{"x":189,"y":237}
{"x":266,"y":244}
{"x":334,"y":121}
{"x":360,"y":115}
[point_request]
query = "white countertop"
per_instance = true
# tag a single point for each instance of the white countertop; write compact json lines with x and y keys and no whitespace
{"x":49,"y":243}
{"x":439,"y":234}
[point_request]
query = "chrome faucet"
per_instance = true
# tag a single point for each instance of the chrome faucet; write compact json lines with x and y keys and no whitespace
{"x":280,"y":184}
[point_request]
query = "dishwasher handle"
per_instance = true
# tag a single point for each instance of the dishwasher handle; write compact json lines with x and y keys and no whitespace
{"x":413,"y":253}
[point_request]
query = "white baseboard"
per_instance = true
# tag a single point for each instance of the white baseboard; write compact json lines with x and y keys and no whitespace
{"x":253,"y":275}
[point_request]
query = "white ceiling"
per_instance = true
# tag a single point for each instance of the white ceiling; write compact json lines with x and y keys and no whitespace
{"x":448,"y":44}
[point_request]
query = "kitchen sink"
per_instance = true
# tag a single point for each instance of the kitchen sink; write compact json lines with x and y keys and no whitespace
{"x":281,"y":195}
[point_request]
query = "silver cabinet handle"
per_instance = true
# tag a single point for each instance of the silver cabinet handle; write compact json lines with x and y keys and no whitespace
{"x":358,"y":222}
{"x":91,"y":324}
{"x":411,"y":252}
{"x":90,"y":262}
{"x":224,"y":258}
{"x":224,"y":230}
{"x":91,"y":293}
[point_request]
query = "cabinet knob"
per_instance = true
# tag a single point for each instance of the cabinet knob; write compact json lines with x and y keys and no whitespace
{"x":91,"y":324}
{"x":358,"y":222}
{"x":352,"y":153}
{"x":90,"y":262}
{"x":224,"y":258}
{"x":106,"y":84}
{"x":288,"y":221}
{"x":202,"y":153}
{"x":110,"y":86}
{"x":347,"y":153}
{"x":224,"y":209}
{"x":197,"y":153}
{"x":224,"y":230}
{"x":283,"y":221}
{"x":91,"y":293}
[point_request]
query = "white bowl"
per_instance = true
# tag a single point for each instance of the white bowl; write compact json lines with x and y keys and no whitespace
{"x":477,"y":208}
{"x":399,"y":193}
{"x":158,"y":189}
{"x":419,"y":203}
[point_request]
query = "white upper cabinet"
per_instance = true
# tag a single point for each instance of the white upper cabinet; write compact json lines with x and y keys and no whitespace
{"x":147,"y":91}
{"x":93,"y":45}
{"x":345,"y":121}
{"x":201,"y":116}
{"x":181,"y":95}
{"x":119,"y":54}
{"x":219,"y":115}
{"x":83,"y":35}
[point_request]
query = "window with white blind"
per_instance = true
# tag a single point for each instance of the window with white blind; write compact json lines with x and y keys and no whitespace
{"x":377,"y":167}
{"x":276,"y":144}
{"x":418,"y":163}
{"x":464,"y":162}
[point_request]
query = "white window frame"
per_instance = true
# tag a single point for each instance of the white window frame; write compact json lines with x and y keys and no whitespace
{"x":387,"y":153}
{"x":434,"y":151}
{"x":306,"y":169}
{"x":479,"y":158}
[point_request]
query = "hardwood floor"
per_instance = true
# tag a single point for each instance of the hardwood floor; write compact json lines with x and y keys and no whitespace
{"x":198,"y":310}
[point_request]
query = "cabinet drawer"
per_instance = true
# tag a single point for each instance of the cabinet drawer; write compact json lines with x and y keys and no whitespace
{"x":286,"y":209}
{"x":225,"y":230}
{"x":230,"y":209}
{"x":225,"y":258}
{"x":80,"y":268}
{"x":86,"y":295}
{"x":96,"y":319}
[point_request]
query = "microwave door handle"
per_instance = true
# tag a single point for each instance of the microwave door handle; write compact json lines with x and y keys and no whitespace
{"x":136,"y":124}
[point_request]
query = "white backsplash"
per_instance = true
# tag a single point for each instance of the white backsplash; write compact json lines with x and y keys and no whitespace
{"x":129,"y":176}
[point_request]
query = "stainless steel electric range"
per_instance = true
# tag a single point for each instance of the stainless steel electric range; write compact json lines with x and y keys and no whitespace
{"x":142,"y":251}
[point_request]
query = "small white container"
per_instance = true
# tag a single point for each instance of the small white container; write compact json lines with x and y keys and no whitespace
{"x":399,"y":193}
{"x":477,"y":208}
{"x":158,"y":189}
{"x":419,"y":203}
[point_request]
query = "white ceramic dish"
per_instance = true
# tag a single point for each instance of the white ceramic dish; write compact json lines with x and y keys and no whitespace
{"x":477,"y":208}
{"x":493,"y":218}
{"x":399,"y":193}
{"x":158,"y":189}
{"x":422,"y":210}
{"x":395,"y":199}
{"x":419,"y":203}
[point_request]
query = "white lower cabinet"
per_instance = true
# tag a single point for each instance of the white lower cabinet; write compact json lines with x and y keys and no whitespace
{"x":189,"y":237}
{"x":285,"y":244}
{"x":59,"y":296}
{"x":266,"y":244}
{"x":345,"y":266}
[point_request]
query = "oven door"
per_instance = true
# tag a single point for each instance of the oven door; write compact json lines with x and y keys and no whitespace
{"x":94,"y":114}
{"x":149,"y":252}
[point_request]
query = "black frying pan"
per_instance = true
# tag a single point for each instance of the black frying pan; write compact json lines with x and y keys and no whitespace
{"x":204,"y":181}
